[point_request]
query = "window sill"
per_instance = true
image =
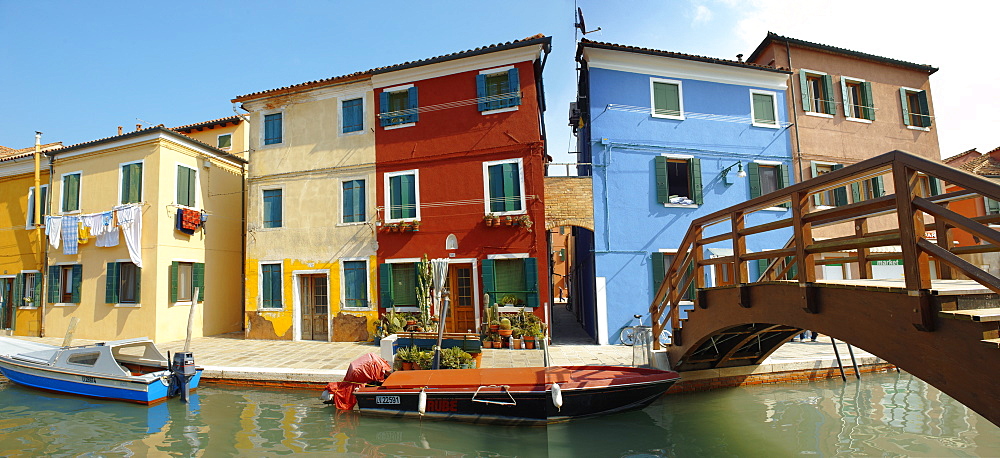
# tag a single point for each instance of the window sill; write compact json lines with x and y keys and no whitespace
{"x":182,"y":303}
{"x":406,"y":309}
{"x":348,"y":134}
{"x":660,"y":116}
{"x":65,"y":304}
{"x":270,"y":309}
{"x":128,"y":306}
{"x":819,"y":115}
{"x":776,"y":209}
{"x":399,"y":126}
{"x":269,"y":229}
{"x":925,"y":129}
{"x":29,"y":307}
{"x":513,"y":308}
{"x":361,"y":223}
{"x":861,"y":120}
{"x":680,"y":206}
{"x":768,"y":126}
{"x":498,"y":110}
{"x":510,"y":213}
{"x":273,"y":145}
{"x":401,"y":220}
{"x":356,"y":309}
{"x":70,"y":212}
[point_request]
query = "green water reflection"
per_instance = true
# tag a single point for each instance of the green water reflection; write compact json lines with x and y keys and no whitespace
{"x":887,"y":415}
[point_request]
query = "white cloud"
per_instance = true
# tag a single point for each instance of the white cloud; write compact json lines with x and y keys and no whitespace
{"x":702,"y":15}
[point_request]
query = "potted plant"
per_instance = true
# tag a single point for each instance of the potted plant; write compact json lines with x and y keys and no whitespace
{"x":505,"y":328}
{"x":490,"y":219}
{"x":408,"y":357}
{"x":517,"y":333}
{"x":531,"y":331}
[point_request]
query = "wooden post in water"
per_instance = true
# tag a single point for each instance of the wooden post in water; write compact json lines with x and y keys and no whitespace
{"x":190,"y":329}
{"x":69,"y":331}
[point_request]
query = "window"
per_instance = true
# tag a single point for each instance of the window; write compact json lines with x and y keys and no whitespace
{"x":352,"y":115}
{"x":992,"y":206}
{"x":511,"y":282}
{"x":766,"y":178}
{"x":498,"y":89}
{"x":403,"y":190}
{"x":84,"y":359}
{"x":831,"y":197}
{"x":272,"y":208}
{"x":131,"y":178}
{"x":30,"y":217}
{"x":122,"y":283}
{"x":270,"y":286}
{"x":64,"y":284}
{"x":817,"y":92}
{"x":666,"y":99}
{"x":186,"y":179}
{"x":398,"y":284}
{"x":661,"y":264}
{"x":928,"y":186}
{"x":764,"y":109}
{"x":867,"y":189}
{"x":916,"y":111}
{"x":272,"y":129}
{"x":858,"y":101}
{"x":71,"y":192}
{"x":225,"y":141}
{"x":27,"y":289}
{"x":353,"y":206}
{"x":355,"y":284}
{"x":503,"y":187}
{"x":678,"y":180}
{"x":184,"y":278}
{"x":398,"y":106}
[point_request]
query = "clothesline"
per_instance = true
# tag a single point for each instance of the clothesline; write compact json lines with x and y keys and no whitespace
{"x":72,"y":230}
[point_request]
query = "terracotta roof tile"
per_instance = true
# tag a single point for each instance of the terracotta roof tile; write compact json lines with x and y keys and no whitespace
{"x":961,"y":155}
{"x":160,"y":128}
{"x":714,"y":60}
{"x":771,"y":36}
{"x":11,"y":153}
{"x":983,"y":166}
{"x":220,"y":121}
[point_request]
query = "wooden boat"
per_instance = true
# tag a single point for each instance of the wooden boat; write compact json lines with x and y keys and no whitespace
{"x":523,"y":396}
{"x":128,"y":370}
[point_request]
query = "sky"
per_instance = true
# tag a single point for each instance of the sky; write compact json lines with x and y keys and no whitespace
{"x":77,"y":70}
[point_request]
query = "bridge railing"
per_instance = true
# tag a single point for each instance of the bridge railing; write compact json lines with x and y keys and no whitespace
{"x":914,"y":219}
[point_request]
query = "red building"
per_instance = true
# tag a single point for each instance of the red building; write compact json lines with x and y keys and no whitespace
{"x":460,"y":153}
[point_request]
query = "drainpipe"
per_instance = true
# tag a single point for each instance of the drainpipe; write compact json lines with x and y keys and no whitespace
{"x":795,"y":115}
{"x":42,"y":246}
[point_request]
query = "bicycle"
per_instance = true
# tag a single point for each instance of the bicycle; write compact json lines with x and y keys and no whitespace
{"x":627,"y":334}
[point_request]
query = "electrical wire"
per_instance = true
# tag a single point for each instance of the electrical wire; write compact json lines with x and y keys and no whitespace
{"x":449,"y":105}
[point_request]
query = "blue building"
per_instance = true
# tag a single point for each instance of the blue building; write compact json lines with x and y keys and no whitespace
{"x":670,"y":137}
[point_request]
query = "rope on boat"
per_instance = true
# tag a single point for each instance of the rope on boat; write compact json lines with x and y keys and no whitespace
{"x":503,"y":389}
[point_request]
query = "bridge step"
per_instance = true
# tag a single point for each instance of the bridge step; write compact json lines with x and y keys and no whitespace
{"x":992,"y":342}
{"x":992,"y":314}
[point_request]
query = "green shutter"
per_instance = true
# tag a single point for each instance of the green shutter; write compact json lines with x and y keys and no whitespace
{"x":869,"y":102}
{"x":198,"y":272}
{"x":762,"y":266}
{"x":856,"y":192}
{"x":408,"y":199}
{"x":77,"y":282}
{"x":53,"y":284}
{"x":792,"y":271}
{"x":878,"y":187}
{"x":531,"y":281}
{"x":783,"y":181}
{"x":658,"y":270}
{"x":182,"y":185}
{"x":138,"y":285}
{"x":489,"y":281}
{"x":905,"y":105}
{"x":511,"y":187}
{"x":754,"y":176}
{"x":18,"y":294}
{"x":829,"y":104}
{"x":174,"y":266}
{"x":694,"y":170}
{"x":45,"y":203}
{"x":925,"y":110}
{"x":763,"y":109}
{"x":666,"y":99}
{"x":935,"y":184}
{"x":385,"y":284}
{"x":71,"y":193}
{"x":839,"y":194}
{"x":383,"y":108}
{"x":992,"y":206}
{"x":111,"y":284}
{"x":265,"y":286}
{"x":804,"y":88}
{"x":817,"y":200}
{"x":662,"y":188}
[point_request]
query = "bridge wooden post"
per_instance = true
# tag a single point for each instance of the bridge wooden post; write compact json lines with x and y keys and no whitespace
{"x":943,"y":241}
{"x":864,"y":265}
{"x":740,"y":273}
{"x":916,"y":268}
{"x":805,"y":261}
{"x":698,"y":256}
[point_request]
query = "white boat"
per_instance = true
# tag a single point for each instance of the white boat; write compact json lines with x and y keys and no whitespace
{"x":131,"y":370}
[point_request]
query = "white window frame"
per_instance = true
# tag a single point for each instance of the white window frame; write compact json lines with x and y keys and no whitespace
{"x":227,"y":148}
{"x":772,"y":164}
{"x":340,"y":115}
{"x":121,"y":177}
{"x":388,"y":195}
{"x":260,"y":212}
{"x":843,"y":88}
{"x":62,"y":190}
{"x":260,"y":286}
{"x":29,"y":219}
{"x":38,"y":278}
{"x":508,"y":308}
{"x":61,"y":286}
{"x":774,"y":102}
{"x":138,"y":299}
{"x":494,"y":71}
{"x":197,"y":185}
{"x":404,"y":261}
{"x":400,"y":88}
{"x":680,"y":98}
{"x":681,"y":157}
{"x":263,"y":117}
{"x":818,"y":114}
{"x":922,"y":129}
{"x":368,"y":284}
{"x":826,"y":164}
{"x":186,"y":261}
{"x":486,"y":186}
{"x":340,"y":197}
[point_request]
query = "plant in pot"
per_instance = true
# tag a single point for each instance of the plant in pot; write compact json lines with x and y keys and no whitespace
{"x":517,"y":333}
{"x":424,"y":359}
{"x":531,"y":331}
{"x":455,"y":358}
{"x":505,"y":328}
{"x":408,"y":357}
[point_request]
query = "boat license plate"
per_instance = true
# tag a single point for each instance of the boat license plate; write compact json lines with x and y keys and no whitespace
{"x":387,"y":399}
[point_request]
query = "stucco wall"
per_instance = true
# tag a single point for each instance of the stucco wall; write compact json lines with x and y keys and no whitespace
{"x":22,"y":251}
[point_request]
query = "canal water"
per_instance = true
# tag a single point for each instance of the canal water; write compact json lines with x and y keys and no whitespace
{"x":882,"y":415}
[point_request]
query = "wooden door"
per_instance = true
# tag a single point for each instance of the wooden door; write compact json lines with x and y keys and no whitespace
{"x":462,"y":311}
{"x":314,"y":307}
{"x":6,"y":303}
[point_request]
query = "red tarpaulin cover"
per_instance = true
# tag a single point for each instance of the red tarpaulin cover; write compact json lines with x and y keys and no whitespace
{"x":366,"y":369}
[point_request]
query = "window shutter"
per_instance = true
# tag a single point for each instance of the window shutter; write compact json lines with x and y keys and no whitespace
{"x":846,"y":97}
{"x":135,"y":182}
{"x":992,"y":206}
{"x":77,"y":281}
{"x":348,"y":201}
{"x":662,"y":188}
{"x":182,"y":185}
{"x":138,"y":285}
{"x":407,"y":202}
{"x":754,"y":176}
{"x":935,"y":184}
{"x":30,"y":217}
{"x":53,"y":284}
{"x":359,"y":202}
{"x":925,"y":111}
{"x":868,"y":101}
{"x":173,"y":281}
{"x":658,"y":270}
{"x":511,"y":187}
{"x":856,"y":192}
{"x":413,"y":105}
{"x":489,"y":281}
{"x":513,"y":88}
{"x":18,"y":293}
{"x":36,"y":295}
{"x":198,"y":272}
{"x":111,"y":284}
{"x":71,"y":192}
{"x":385,"y":284}
{"x":694,"y":170}
{"x":830,"y":107}
{"x":531,"y":281}
{"x":804,"y":88}
{"x":905,"y":105}
{"x":878,"y":186}
{"x":783,"y":181}
{"x":383,"y":108}
{"x":839,"y":194}
{"x":762,"y":266}
{"x":265,"y":286}
{"x":817,"y":200}
{"x":481,"y":92}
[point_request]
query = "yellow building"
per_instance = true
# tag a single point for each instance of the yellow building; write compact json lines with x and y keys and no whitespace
{"x":139,"y":222}
{"x":228,"y":134}
{"x":310,"y":252}
{"x":21,"y":255}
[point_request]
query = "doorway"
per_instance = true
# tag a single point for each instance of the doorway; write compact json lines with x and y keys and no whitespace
{"x":314,"y":306}
{"x":6,"y":303}
{"x":462,"y":311}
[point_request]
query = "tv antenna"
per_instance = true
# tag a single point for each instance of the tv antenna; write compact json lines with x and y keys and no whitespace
{"x":580,"y":24}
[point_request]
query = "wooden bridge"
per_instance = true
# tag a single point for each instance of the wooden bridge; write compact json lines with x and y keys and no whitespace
{"x":939,"y":322}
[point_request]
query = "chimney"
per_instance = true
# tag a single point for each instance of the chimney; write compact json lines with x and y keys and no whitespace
{"x":119,"y":130}
{"x":138,"y":127}
{"x":739,"y":57}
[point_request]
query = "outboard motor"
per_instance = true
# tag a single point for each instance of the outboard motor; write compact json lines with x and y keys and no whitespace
{"x":181,"y":371}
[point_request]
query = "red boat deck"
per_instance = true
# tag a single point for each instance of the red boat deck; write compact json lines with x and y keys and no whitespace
{"x":582,"y":376}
